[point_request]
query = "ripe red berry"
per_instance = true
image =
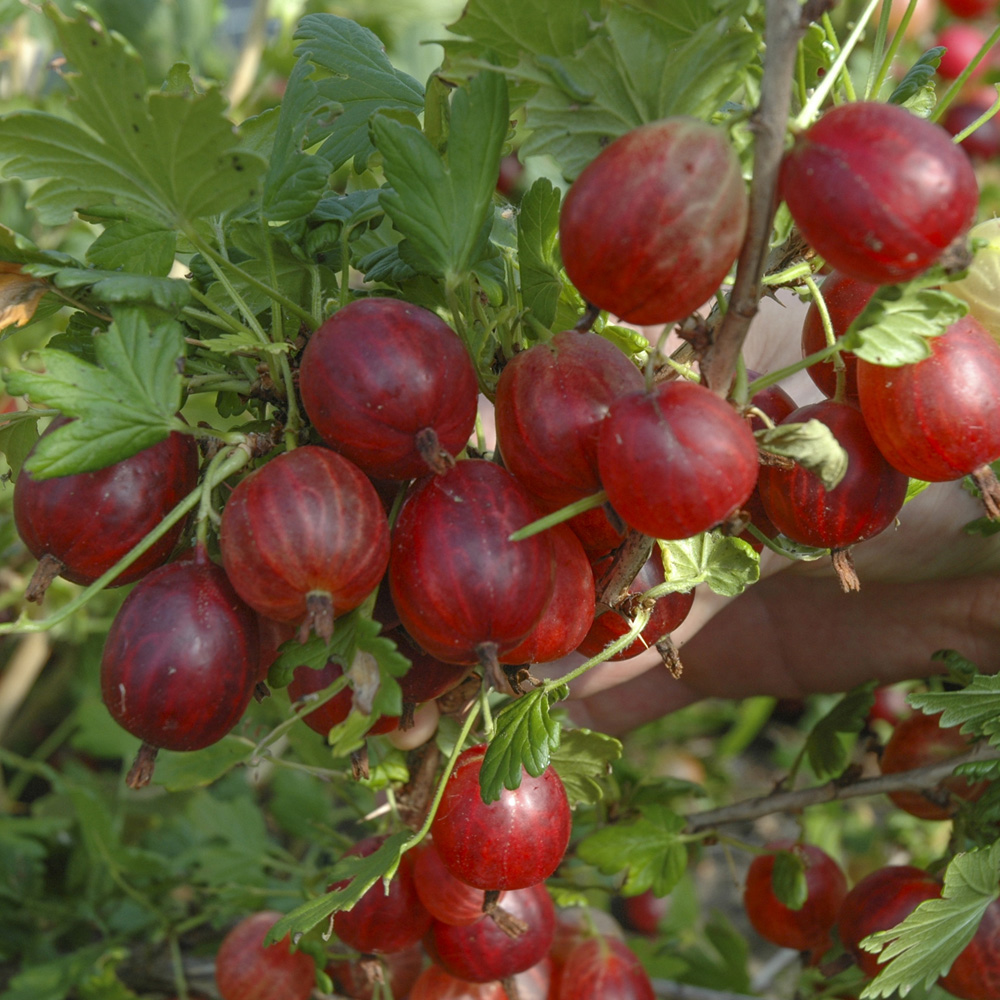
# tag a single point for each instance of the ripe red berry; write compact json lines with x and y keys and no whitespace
{"x":677,"y":460}
{"x":462,"y":590}
{"x":246,"y":969}
{"x":483,"y":951}
{"x":865,"y":502}
{"x":604,"y":967}
{"x":881,"y":900}
{"x":936,"y":419}
{"x":877,"y":191}
{"x":652,"y":225}
{"x":444,"y":896}
{"x":84,"y":523}
{"x":305,"y":537}
{"x":180,"y":661}
{"x":919,"y":740}
{"x":807,"y":928}
{"x":389,"y":385}
{"x":971,"y":8}
{"x":511,"y":843}
{"x":305,"y":681}
{"x":399,"y":970}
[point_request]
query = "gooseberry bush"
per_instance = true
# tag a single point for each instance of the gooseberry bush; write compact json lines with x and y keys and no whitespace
{"x":333,"y":464}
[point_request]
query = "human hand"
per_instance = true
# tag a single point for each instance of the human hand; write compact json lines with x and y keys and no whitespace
{"x":925,"y":585}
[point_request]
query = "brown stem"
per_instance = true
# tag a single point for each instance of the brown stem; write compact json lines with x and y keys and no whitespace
{"x":141,"y":771}
{"x":918,"y":779}
{"x":319,"y":616}
{"x":48,"y":568}
{"x":429,"y":447}
{"x":784,"y":27}
{"x":359,"y":763}
{"x":986,"y":481}
{"x":671,"y":657}
{"x":588,"y":319}
{"x":629,"y":559}
{"x":843,"y":564}
{"x":509,"y":985}
{"x":512,"y":926}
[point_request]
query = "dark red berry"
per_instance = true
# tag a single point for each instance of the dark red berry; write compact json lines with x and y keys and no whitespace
{"x":878,"y":192}
{"x":389,"y":385}
{"x":604,"y":967}
{"x":247,"y":969}
{"x":304,"y":538}
{"x":975,"y":974}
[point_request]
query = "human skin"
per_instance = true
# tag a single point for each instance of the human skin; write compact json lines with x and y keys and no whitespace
{"x":926,"y":585}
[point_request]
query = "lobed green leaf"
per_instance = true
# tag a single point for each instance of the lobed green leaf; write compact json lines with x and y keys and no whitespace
{"x":582,"y":758}
{"x":725,"y":564}
{"x":811,"y":444}
{"x":827,"y":754}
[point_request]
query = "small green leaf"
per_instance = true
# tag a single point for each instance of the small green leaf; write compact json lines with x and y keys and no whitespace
{"x":119,"y":287}
{"x":124,"y":404}
{"x":17,"y":438}
{"x":727,"y":565}
{"x":525,"y":735}
{"x":140,"y":246}
{"x":445,"y":209}
{"x":812,"y":445}
{"x":788,"y":879}
{"x":895,"y":326}
{"x":295,"y":180}
{"x":827,"y":755}
{"x":363,"y":874}
{"x":582,"y":758}
{"x":918,"y":79}
{"x":358,"y":77}
{"x":976,"y":708}
{"x":648,"y":849}
{"x":198,"y":768}
{"x":537,"y":230}
{"x":924,"y":945}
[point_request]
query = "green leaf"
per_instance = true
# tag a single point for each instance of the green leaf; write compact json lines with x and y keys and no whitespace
{"x":17,"y":438}
{"x":827,"y":754}
{"x":976,"y":708}
{"x":649,"y":850}
{"x":140,"y":246}
{"x":56,"y":977}
{"x":445,"y":209}
{"x":363,"y":874}
{"x":685,"y":58}
{"x":582,"y":758}
{"x":788,"y":879}
{"x":895,"y":326}
{"x":537,"y":232}
{"x":119,"y":286}
{"x":919,"y":80}
{"x":124,"y":404}
{"x":171,"y":156}
{"x":812,"y":445}
{"x":359,"y":78}
{"x":295,"y":180}
{"x":525,"y":736}
{"x":925,"y":944}
{"x":727,"y":565}
{"x":177,"y":771}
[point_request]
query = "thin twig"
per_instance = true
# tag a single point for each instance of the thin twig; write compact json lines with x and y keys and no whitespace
{"x":783,"y":30}
{"x":918,"y":779}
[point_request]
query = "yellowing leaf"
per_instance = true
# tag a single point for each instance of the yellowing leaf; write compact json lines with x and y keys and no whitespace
{"x":19,"y":294}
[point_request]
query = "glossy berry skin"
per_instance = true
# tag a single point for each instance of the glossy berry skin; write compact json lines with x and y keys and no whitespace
{"x":971,"y":8}
{"x":975,"y":974}
{"x":306,"y":680}
{"x":246,"y":969}
{"x":845,"y":299}
{"x":379,"y":372}
{"x":88,"y":521}
{"x":569,"y":613}
{"x":550,"y":402}
{"x":483,"y":951}
{"x":383,"y":922}
{"x":805,"y":929}
{"x":459,"y":585}
{"x":308,"y":522}
{"x":863,"y":503}
{"x":400,"y":970}
{"x":514,"y":842}
{"x":919,"y":740}
{"x":937,"y":419}
{"x":604,"y":967}
{"x":180,"y":660}
{"x":652,"y":225}
{"x":878,"y":192}
{"x":668,"y":612}
{"x":437,"y":984}
{"x":677,"y":460}
{"x":445,"y":897}
{"x":882,"y":900}
{"x":962,"y":43}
